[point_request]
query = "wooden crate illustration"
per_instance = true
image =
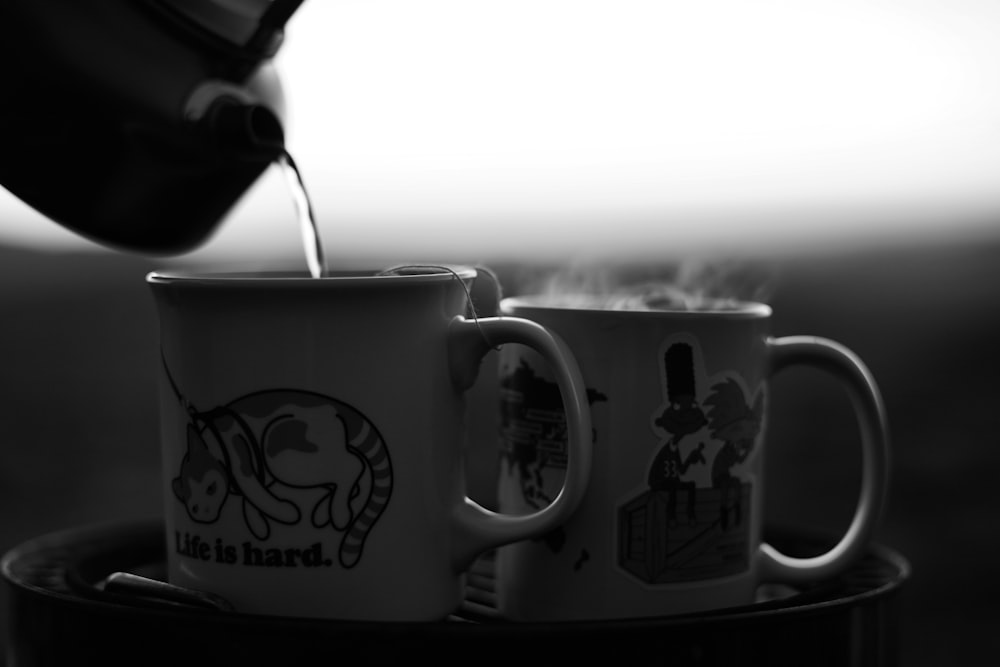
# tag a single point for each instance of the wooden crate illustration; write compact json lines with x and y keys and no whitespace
{"x":712,"y":541}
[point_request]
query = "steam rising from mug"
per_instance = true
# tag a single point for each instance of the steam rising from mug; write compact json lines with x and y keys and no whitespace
{"x":689,"y":285}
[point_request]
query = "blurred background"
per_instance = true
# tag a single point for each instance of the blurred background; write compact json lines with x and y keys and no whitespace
{"x":838,"y":160}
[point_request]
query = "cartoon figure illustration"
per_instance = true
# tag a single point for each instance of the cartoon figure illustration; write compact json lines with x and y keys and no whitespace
{"x":713,"y":411}
{"x":683,"y":416}
{"x":268,"y":445}
{"x":532,"y":429}
{"x":737,"y":424}
{"x":533,"y":440}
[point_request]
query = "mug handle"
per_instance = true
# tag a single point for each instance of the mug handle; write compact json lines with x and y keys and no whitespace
{"x":479,"y":529}
{"x":852,"y":373}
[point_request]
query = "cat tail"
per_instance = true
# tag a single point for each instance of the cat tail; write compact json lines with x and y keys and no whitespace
{"x":372,"y":448}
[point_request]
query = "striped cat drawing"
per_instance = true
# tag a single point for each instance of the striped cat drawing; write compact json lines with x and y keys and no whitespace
{"x":275,"y":447}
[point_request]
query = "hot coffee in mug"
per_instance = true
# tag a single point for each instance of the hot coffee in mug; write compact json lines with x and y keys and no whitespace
{"x":313,"y":438}
{"x":672,"y":520}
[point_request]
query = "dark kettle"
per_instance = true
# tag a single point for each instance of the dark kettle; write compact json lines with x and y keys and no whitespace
{"x":139,"y":123}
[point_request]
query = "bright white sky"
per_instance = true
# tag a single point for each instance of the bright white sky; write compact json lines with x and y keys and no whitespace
{"x":582,"y":127}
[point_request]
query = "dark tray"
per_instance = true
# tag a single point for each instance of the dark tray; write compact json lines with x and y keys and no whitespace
{"x":64,"y":612}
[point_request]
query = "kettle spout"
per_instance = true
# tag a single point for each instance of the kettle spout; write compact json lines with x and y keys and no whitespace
{"x":248,"y":130}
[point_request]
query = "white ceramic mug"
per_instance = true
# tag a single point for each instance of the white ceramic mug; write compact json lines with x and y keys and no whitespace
{"x":672,"y":520}
{"x":313,"y":438}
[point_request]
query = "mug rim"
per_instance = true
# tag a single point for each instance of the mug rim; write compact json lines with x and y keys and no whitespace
{"x":280,"y":278}
{"x":719,"y":308}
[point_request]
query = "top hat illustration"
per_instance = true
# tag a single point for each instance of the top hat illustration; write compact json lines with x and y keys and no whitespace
{"x":678,"y":362}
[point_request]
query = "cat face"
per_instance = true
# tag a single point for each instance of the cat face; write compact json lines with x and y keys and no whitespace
{"x":202,"y":484}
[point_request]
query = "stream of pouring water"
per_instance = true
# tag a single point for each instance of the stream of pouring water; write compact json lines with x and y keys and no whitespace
{"x":311,"y":242}
{"x":694,"y":286}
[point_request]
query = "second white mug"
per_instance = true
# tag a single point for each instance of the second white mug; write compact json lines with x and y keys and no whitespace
{"x":672,"y":520}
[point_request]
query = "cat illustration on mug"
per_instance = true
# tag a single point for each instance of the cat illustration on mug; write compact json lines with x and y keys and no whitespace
{"x":275,"y":448}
